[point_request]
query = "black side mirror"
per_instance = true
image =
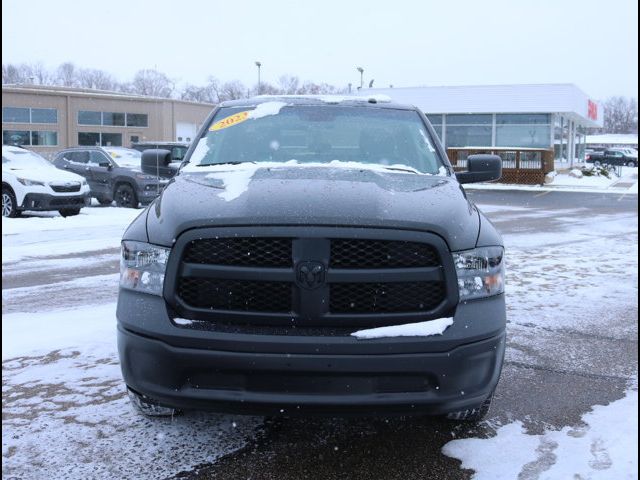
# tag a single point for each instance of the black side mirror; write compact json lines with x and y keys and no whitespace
{"x":481,"y":168}
{"x":106,"y":165}
{"x":156,"y":161}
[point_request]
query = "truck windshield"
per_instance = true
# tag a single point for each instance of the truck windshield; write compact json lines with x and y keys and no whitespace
{"x":277,"y":132}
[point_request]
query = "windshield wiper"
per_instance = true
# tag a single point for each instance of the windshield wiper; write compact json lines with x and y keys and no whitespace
{"x":400,"y":169}
{"x":221,"y":163}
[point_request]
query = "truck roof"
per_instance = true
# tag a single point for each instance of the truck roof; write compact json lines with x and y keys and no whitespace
{"x":378,"y":101}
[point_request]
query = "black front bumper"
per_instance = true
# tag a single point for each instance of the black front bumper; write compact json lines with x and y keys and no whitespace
{"x":44,"y":201}
{"x":280,"y":374}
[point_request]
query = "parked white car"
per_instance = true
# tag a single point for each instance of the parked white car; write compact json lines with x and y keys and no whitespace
{"x":29,"y":182}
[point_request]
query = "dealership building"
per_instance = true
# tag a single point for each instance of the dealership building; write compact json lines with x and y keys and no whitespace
{"x":541,"y":116}
{"x":47,"y":119}
{"x":545,"y":116}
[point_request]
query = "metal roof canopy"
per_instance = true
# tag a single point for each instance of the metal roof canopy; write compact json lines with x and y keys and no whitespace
{"x":563,"y":98}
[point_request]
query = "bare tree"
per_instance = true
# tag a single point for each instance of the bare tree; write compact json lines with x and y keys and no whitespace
{"x":153,"y":83}
{"x":97,"y":79}
{"x":232,"y":90}
{"x":207,"y":94}
{"x":621,"y":115}
{"x":67,"y":75}
{"x":11,"y":74}
{"x":41,"y":75}
{"x":289,"y":84}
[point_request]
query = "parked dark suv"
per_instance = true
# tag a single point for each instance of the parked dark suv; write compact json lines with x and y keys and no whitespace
{"x":113,"y":173}
{"x":314,"y":255}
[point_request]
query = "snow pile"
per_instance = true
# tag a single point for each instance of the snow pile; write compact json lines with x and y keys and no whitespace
{"x":605,"y":447}
{"x":421,"y":329}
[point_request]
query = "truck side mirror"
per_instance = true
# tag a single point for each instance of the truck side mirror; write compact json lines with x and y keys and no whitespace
{"x":481,"y":168}
{"x":156,"y":161}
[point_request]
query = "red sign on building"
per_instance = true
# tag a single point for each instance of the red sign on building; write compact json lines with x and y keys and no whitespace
{"x":592,"y":110}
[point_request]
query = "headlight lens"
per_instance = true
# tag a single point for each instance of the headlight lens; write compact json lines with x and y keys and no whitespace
{"x":30,"y":183}
{"x":142,"y":267}
{"x":480,"y":272}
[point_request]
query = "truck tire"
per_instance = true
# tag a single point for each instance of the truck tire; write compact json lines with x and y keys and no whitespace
{"x":146,"y":406}
{"x":472,"y":415}
{"x":9,"y":203}
{"x":125,"y":196}
{"x":69,"y":212}
{"x":631,"y":163}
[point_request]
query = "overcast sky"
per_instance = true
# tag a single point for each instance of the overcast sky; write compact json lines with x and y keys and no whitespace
{"x":405,"y":43}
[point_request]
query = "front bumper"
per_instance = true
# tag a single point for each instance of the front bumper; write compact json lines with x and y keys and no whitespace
{"x":280,"y":374}
{"x":45,"y":201}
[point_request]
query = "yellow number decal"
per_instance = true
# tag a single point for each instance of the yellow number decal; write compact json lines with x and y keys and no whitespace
{"x":230,"y":121}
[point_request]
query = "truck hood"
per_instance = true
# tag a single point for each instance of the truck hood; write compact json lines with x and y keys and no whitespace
{"x":250,"y":194}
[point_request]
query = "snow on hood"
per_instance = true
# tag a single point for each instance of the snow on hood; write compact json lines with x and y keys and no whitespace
{"x":235,"y":179}
{"x":44,"y":173}
{"x":421,"y":329}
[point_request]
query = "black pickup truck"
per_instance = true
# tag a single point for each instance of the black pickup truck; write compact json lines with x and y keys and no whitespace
{"x":314,"y":255}
{"x":612,"y":157}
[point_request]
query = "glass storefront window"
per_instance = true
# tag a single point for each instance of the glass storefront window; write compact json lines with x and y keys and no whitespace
{"x":111,"y":140}
{"x":42,"y":138}
{"x":15,"y":137}
{"x":113,"y":119}
{"x":86,"y":117}
{"x":88,"y":138}
{"x":15,"y":115}
{"x":523,"y":136}
{"x":469,"y":119}
{"x":522,"y":118}
{"x":44,"y":115}
{"x":468,"y":136}
{"x":137,"y":120}
{"x":435,"y":119}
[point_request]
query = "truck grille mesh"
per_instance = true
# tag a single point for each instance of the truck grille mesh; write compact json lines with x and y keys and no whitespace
{"x":242,"y":252}
{"x":362,"y":253}
{"x":385,"y":297}
{"x":223,"y":294}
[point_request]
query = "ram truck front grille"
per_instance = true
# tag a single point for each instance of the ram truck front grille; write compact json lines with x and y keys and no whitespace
{"x":321,"y":280}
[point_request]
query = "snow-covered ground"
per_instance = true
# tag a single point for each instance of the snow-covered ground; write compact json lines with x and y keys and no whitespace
{"x":604,"y":446}
{"x":65,"y":414}
{"x":626,"y":183}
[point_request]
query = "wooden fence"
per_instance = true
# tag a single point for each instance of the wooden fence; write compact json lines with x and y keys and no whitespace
{"x":526,"y":166}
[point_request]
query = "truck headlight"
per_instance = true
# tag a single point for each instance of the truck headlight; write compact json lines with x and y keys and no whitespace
{"x":480,"y":272}
{"x":30,"y":183}
{"x":142,"y":267}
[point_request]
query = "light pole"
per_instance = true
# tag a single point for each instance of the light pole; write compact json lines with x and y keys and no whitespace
{"x":258,"y":64}
{"x":361,"y":70}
